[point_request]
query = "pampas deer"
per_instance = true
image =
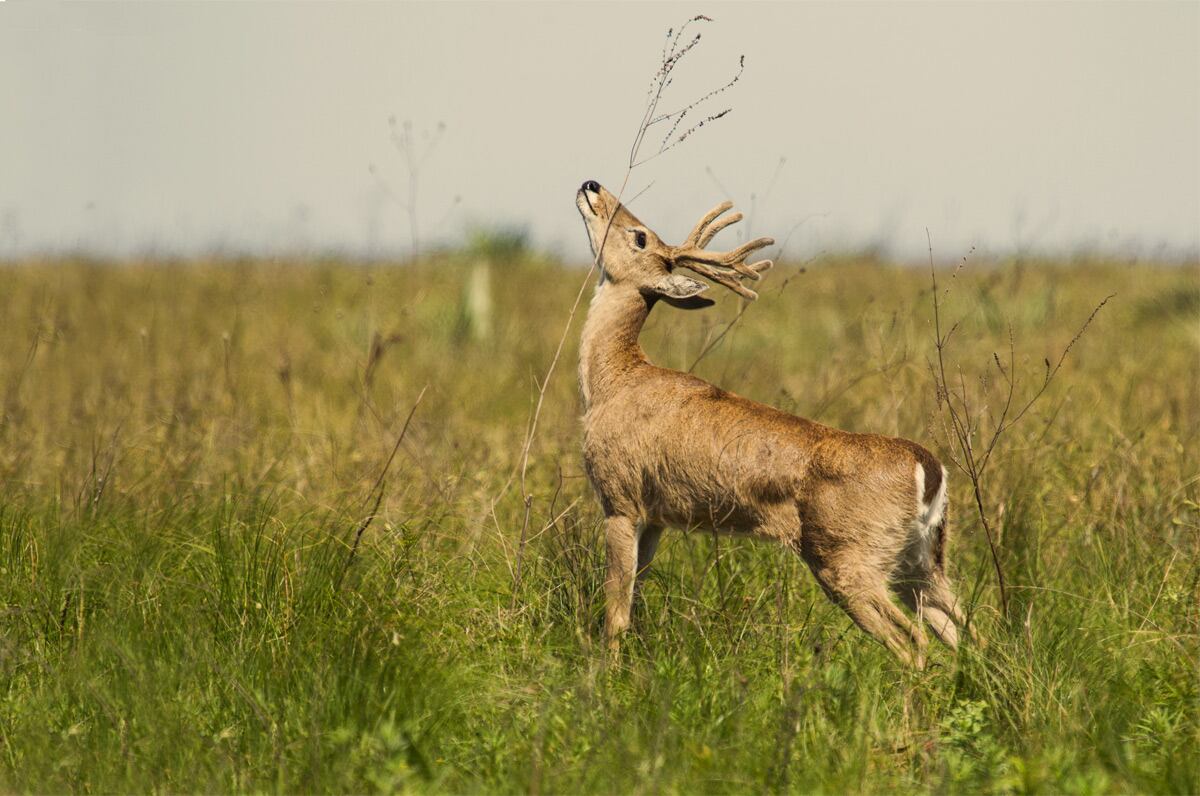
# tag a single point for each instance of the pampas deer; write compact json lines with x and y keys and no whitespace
{"x":867,"y":513}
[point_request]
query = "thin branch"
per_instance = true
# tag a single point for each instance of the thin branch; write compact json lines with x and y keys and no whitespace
{"x":970,"y":453}
{"x":713,"y":343}
{"x":962,"y":433}
{"x":672,"y":56}
{"x":378,"y":490}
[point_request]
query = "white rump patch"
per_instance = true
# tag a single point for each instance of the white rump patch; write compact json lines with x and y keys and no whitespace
{"x":929,"y":517}
{"x":930,"y":514}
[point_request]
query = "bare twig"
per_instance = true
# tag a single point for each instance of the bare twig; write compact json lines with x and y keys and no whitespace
{"x":415,"y":157}
{"x":962,"y":425}
{"x":14,"y":388}
{"x":672,"y":56}
{"x":378,"y":489}
{"x":743,"y":306}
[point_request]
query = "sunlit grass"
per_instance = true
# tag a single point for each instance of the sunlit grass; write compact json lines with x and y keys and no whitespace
{"x":187,"y":451}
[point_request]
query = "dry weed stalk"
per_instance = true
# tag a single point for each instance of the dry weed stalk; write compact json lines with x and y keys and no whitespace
{"x":415,"y":156}
{"x":377,"y":491}
{"x":970,"y":438}
{"x":675,"y":48}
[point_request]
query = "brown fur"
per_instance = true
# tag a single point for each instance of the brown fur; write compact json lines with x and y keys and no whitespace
{"x":664,"y":448}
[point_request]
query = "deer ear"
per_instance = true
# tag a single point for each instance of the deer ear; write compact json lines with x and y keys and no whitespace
{"x":678,"y":286}
{"x":682,"y":292}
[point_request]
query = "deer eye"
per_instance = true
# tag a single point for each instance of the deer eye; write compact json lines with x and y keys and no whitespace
{"x":639,"y":238}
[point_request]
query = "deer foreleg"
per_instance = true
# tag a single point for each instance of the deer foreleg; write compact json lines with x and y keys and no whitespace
{"x":621,"y":544}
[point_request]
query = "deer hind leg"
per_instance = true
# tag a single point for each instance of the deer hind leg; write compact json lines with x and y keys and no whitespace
{"x":931,"y":598}
{"x":936,"y":605}
{"x":647,"y":544}
{"x":648,"y":539}
{"x":941,"y":596}
{"x":863,"y":594}
{"x":621,"y":548}
{"x":921,"y":584}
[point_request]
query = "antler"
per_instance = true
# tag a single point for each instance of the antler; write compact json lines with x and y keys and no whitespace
{"x":724,"y":268}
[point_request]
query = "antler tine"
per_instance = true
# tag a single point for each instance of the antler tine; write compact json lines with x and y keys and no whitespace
{"x":760,"y":266}
{"x":734,"y":259}
{"x":740,"y":252}
{"x":698,"y":231}
{"x":716,"y":227}
{"x":724,"y":268}
{"x":727,"y":278}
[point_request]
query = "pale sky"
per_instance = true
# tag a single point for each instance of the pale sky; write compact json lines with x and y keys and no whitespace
{"x":183,"y":127}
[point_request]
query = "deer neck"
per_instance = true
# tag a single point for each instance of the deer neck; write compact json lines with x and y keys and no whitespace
{"x":609,"y":350}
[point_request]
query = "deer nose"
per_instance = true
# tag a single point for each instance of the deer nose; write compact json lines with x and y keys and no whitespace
{"x":592,"y":185}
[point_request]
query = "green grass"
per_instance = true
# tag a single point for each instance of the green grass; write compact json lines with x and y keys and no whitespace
{"x":186,"y":452}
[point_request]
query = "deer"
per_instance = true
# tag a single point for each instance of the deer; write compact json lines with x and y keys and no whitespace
{"x":866,"y":513}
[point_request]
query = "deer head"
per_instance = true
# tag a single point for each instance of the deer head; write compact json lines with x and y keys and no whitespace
{"x":632,"y":254}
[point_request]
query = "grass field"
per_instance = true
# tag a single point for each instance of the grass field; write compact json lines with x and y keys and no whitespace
{"x":188,"y":451}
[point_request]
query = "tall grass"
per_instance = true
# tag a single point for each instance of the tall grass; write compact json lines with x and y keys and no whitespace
{"x":187,"y":452}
